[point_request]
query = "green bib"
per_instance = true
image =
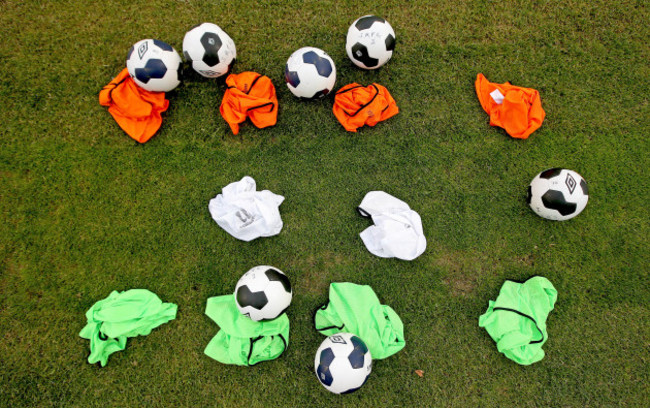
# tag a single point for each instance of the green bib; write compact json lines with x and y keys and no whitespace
{"x":516,"y":320}
{"x":356,"y":309}
{"x":243,"y":341}
{"x":131,"y":313}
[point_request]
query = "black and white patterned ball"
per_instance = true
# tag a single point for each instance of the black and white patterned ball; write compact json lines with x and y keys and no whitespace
{"x":263,"y":293}
{"x":558,"y":194}
{"x":370,"y":42}
{"x":154,"y":65}
{"x":209,"y":50}
{"x":310,"y":73}
{"x":343,"y":363}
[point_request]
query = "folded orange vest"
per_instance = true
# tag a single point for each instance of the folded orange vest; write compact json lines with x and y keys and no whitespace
{"x":251,"y":95}
{"x":355,"y":105}
{"x":516,"y":109}
{"x":137,"y":111}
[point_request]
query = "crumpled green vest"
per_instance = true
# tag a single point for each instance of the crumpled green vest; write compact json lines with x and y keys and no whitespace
{"x":125,"y":314}
{"x":356,"y":309}
{"x":241,"y":340}
{"x":516,"y":320}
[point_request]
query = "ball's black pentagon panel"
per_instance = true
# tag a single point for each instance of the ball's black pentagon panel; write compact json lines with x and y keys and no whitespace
{"x":390,"y":42}
{"x":323,"y":370}
{"x":128,"y":54}
{"x":550,"y":173}
{"x":322,"y":65}
{"x":583,"y":186}
{"x":291,"y":77}
{"x":366,"y":22}
{"x":358,"y":354}
{"x":256,"y":300}
{"x":163,"y":45}
{"x":275,"y":275}
{"x":555,"y":200}
{"x":360,"y":53}
{"x":211,"y":44}
{"x":154,"y":69}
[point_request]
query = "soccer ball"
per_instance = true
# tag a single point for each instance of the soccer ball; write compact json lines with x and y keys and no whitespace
{"x":263,"y":293}
{"x":154,"y":65}
{"x":370,"y":42}
{"x":343,"y":363}
{"x":310,"y":73}
{"x":558,"y":194}
{"x":210,"y":50}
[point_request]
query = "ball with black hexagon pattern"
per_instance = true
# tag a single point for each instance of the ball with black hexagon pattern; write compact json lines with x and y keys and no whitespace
{"x":343,"y":363}
{"x":263,"y":293}
{"x":154,"y":65}
{"x":370,"y":42}
{"x":310,"y":73}
{"x":558,"y":194}
{"x":209,"y":50}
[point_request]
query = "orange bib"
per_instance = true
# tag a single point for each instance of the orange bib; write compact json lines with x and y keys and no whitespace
{"x":251,"y":95}
{"x":137,"y":111}
{"x":355,"y":105}
{"x":516,"y":109}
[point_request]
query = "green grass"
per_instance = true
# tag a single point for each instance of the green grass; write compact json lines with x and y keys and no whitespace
{"x":85,"y":210}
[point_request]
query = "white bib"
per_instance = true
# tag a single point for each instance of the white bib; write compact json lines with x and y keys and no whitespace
{"x":247,"y":214}
{"x":397,"y":231}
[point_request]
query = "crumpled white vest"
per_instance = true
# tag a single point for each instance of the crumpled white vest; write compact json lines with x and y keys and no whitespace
{"x":247,"y":214}
{"x":397,"y":232}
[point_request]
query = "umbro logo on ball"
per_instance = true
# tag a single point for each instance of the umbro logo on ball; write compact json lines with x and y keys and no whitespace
{"x":142,"y":49}
{"x":570,"y":183}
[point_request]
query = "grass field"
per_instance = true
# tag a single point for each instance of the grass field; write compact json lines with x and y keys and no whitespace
{"x":86,"y":210}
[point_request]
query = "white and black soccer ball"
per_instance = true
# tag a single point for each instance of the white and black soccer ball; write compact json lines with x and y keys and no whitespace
{"x":154,"y":65}
{"x":558,"y":194}
{"x":310,"y":73}
{"x":210,"y":50}
{"x":370,"y":42}
{"x":343,"y":363}
{"x":263,"y":293}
